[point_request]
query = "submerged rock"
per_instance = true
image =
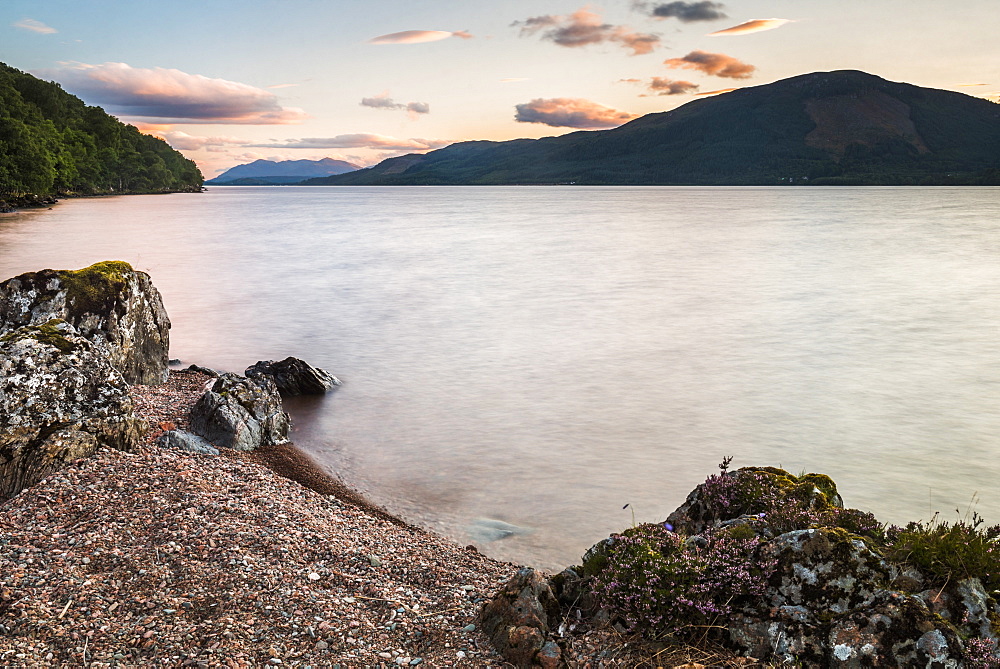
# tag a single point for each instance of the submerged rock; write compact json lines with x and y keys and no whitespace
{"x":294,"y":377}
{"x":241,"y":414}
{"x":487,"y":530}
{"x":114,"y":306}
{"x":60,"y":399}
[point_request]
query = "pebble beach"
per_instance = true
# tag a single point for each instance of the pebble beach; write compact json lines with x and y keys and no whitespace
{"x":164,"y":558}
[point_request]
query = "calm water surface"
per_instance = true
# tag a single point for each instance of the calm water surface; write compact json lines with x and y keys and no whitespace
{"x":544,"y":356}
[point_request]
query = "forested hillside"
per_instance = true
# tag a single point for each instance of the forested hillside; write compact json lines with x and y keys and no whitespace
{"x":51,"y":143}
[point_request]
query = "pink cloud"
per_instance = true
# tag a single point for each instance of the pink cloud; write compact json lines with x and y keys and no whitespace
{"x":34,"y":26}
{"x":717,"y":64}
{"x":358,"y":141}
{"x":584,"y":27}
{"x":754,"y":26}
{"x":418,"y":36}
{"x":663,"y":86}
{"x":571,"y":113}
{"x":173,"y":96}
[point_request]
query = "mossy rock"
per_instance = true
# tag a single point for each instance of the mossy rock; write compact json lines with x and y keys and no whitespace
{"x":94,"y":289}
{"x":52,"y":332}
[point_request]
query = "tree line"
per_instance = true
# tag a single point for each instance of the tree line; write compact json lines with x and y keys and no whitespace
{"x":52,"y":143}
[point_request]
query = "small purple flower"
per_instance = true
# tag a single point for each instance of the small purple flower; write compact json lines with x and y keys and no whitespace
{"x":669,"y":527}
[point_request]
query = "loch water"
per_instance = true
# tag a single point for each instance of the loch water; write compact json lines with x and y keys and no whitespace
{"x":544,"y":356}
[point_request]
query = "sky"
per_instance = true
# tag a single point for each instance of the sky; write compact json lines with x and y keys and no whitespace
{"x":229,"y":82}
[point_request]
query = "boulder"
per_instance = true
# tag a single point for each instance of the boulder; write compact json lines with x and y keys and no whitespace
{"x":60,"y":399}
{"x":114,"y":306}
{"x":774,"y":567}
{"x":519,"y":618}
{"x":294,"y":377}
{"x":241,"y":414}
{"x":186,"y":441}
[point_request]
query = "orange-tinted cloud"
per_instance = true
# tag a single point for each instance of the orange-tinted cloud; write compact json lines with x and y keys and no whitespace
{"x":358,"y":141}
{"x":717,"y":64}
{"x":34,"y":26}
{"x":418,"y":36}
{"x":719,"y":92}
{"x":571,"y":113}
{"x":172,"y":96}
{"x":584,"y":27}
{"x":754,"y":26}
{"x":663,"y":86}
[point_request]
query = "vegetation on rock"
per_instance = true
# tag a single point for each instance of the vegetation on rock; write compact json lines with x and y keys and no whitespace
{"x":51,"y":143}
{"x":95,"y":288}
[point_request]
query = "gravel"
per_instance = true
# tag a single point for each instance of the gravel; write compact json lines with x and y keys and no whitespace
{"x":165,"y":558}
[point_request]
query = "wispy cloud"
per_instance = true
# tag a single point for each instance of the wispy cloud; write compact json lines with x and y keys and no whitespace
{"x":687,"y":12}
{"x":418,"y":36}
{"x":358,"y":141}
{"x":383,"y":101}
{"x":662,"y":86}
{"x":571,"y":113}
{"x":34,"y":26}
{"x":584,"y":27}
{"x":184,"y":142}
{"x":173,"y":96}
{"x":716,"y":64}
{"x":754,"y":26}
{"x":718,"y":92}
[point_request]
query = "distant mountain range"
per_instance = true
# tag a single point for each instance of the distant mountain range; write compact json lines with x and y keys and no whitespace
{"x":840,"y":128}
{"x":273,"y":173}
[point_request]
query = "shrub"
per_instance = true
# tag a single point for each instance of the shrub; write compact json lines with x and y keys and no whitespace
{"x":660,"y":582}
{"x":949,"y":552}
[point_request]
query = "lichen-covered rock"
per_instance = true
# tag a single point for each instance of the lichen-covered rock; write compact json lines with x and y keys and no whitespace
{"x":186,"y":441}
{"x":519,"y":618}
{"x":774,"y":567}
{"x":114,"y":306}
{"x":294,"y":377}
{"x":241,"y":414}
{"x":60,"y":399}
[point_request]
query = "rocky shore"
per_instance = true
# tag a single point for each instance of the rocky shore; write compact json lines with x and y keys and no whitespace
{"x":157,"y":517}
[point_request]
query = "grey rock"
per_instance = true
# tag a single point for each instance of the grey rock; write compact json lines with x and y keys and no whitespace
{"x":486,"y":530}
{"x":114,"y":306}
{"x":186,"y":441}
{"x":60,"y":399}
{"x":240,"y":414}
{"x":294,"y":377}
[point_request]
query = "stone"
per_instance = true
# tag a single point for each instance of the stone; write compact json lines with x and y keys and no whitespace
{"x":294,"y":377}
{"x":114,"y":306}
{"x":186,"y":441}
{"x":60,"y":399}
{"x":240,"y":414}
{"x":520,"y":616}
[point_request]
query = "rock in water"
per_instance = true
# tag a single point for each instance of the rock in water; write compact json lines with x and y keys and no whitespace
{"x":117,"y":308}
{"x":240,"y":414}
{"x":59,"y":400}
{"x":294,"y":377}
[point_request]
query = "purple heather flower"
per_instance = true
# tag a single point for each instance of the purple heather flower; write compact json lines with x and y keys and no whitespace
{"x":669,"y":527}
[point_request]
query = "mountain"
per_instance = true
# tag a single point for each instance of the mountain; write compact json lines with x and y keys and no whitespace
{"x":52,"y":143}
{"x":269,"y":172}
{"x":843,"y":127}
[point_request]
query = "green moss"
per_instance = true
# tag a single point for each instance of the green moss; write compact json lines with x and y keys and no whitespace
{"x":46,"y":333}
{"x":93,"y":289}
